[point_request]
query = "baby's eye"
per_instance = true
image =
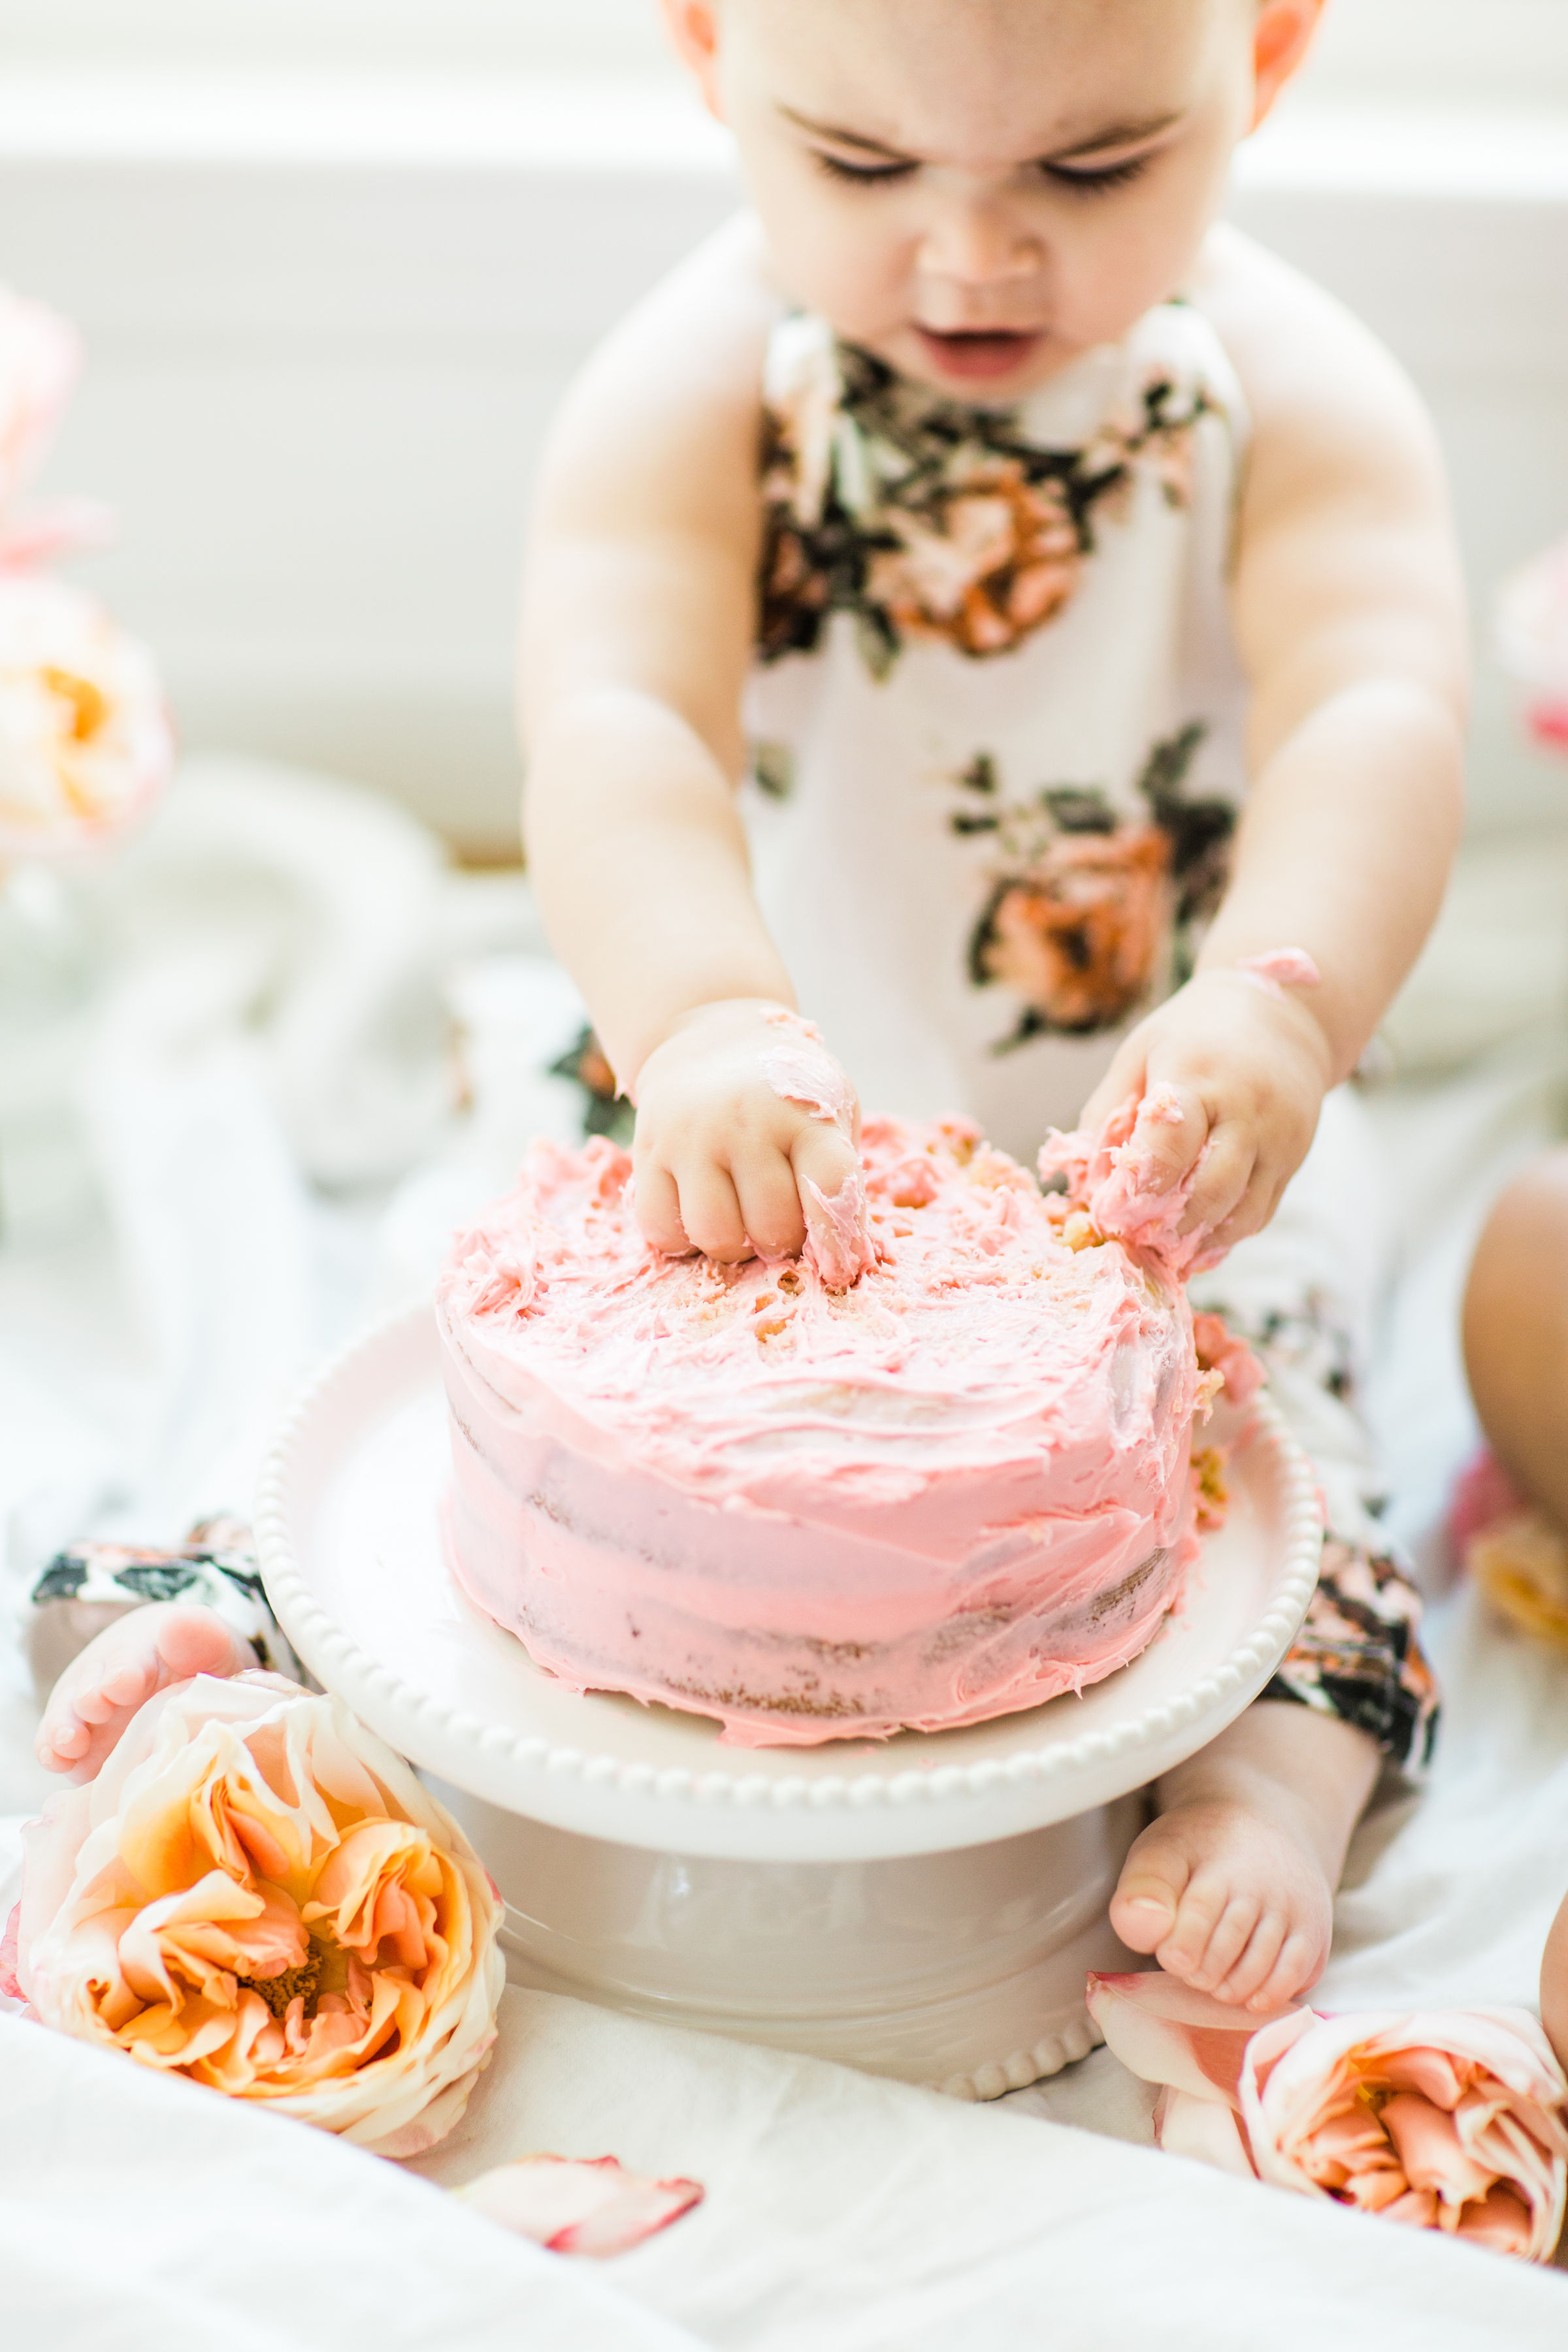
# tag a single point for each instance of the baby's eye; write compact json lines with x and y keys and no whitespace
{"x":1096,"y":179}
{"x":837,"y":169}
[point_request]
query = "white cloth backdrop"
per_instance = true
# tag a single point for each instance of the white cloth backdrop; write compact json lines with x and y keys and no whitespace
{"x":251,"y":1147}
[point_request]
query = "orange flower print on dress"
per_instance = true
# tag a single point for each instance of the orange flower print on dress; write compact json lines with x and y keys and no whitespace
{"x":1077,"y":934}
{"x":996,"y":559}
{"x":1088,"y":909}
{"x":925,"y":519}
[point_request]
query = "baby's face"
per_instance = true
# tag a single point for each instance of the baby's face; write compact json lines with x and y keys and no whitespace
{"x":979,"y":190}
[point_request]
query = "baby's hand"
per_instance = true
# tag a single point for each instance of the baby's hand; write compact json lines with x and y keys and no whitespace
{"x":746,"y":1141}
{"x":1242,"y":1067}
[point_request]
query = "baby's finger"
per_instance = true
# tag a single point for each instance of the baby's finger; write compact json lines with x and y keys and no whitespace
{"x":768,"y":1196}
{"x":1123,"y":1082}
{"x":833,"y":1202}
{"x":711,"y":1212}
{"x":825,"y":1153}
{"x":657,"y":1204}
{"x":1171,"y":1130}
{"x":1222,"y":1180}
{"x":1252,"y":1211}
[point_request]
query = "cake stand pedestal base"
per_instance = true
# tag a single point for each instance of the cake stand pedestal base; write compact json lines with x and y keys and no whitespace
{"x":963,"y":1970}
{"x":924,"y":1906}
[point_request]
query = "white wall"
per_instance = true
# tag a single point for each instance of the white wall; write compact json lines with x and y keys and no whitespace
{"x":1392,"y":51}
{"x":328,"y":319}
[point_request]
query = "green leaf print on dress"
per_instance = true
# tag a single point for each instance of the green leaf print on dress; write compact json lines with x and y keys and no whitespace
{"x":927,"y":518}
{"x":1084,"y":901}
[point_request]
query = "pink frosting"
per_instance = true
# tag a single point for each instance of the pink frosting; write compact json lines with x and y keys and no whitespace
{"x":1110,"y":1174}
{"x":801,"y":1069}
{"x":952,"y":1491}
{"x":1279,"y":969}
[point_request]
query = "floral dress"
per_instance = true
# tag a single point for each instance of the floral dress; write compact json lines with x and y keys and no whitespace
{"x":996,"y":717}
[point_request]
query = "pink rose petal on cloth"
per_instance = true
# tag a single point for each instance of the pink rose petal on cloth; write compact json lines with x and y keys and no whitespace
{"x":1454,"y":2120}
{"x":580,"y":2205}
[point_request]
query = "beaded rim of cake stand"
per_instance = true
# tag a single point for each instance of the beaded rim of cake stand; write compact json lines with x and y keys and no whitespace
{"x":1047,"y":2056}
{"x":318,"y":1637}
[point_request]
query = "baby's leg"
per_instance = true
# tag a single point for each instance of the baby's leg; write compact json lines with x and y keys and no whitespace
{"x":117,"y":1671}
{"x":1516,"y":1332}
{"x":1232,"y":1887}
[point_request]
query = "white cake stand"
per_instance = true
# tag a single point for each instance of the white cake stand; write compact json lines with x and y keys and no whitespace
{"x":924,"y":1905}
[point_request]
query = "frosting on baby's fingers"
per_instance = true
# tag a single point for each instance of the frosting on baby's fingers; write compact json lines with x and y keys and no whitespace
{"x":1109,"y":1175}
{"x":1279,"y":969}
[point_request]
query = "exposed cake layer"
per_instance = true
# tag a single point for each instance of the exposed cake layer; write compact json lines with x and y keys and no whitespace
{"x":952,"y":1491}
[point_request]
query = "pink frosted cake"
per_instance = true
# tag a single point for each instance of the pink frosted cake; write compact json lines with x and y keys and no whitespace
{"x":951,"y":1491}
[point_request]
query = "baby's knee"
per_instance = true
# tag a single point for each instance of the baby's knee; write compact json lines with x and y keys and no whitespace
{"x":1554,"y":1984}
{"x":1517,"y":1295}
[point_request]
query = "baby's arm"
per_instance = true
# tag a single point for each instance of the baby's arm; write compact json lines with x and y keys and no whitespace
{"x":1349,"y":617}
{"x":637,"y":628}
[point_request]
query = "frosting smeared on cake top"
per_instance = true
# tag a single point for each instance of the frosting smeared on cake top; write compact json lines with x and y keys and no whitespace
{"x":979,"y":1338}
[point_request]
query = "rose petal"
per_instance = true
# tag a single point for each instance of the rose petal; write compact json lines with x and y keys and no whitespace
{"x":1185,"y":2125}
{"x":1502,"y":2221}
{"x":1434,"y":2072}
{"x":580,"y":2206}
{"x":1164,"y":2031}
{"x":1429,"y":2149}
{"x":1418,"y":2207}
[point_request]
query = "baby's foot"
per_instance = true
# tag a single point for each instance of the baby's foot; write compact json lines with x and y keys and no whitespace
{"x":119,"y":1671}
{"x":1231,"y":1898}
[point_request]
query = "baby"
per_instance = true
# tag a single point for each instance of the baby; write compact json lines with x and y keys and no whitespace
{"x":979,"y":600}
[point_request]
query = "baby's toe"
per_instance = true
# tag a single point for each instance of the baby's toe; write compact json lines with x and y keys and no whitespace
{"x":1296,"y":1971}
{"x":1232,"y":1931}
{"x":126,"y":1684}
{"x":1255,"y":1964}
{"x":92,"y":1703}
{"x":197,"y":1642}
{"x":62,"y":1742}
{"x":1144,"y":1906}
{"x":1198,"y":1915}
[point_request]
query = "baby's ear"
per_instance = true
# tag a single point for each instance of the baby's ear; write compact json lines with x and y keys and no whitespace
{"x":693,"y":27}
{"x":1281,"y":39}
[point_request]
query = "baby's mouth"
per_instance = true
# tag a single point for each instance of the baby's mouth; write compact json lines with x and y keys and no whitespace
{"x":973,"y":353}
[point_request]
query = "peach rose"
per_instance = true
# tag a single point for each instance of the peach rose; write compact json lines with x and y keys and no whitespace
{"x":256,"y":1893}
{"x":85,"y":742}
{"x":1449,"y":2119}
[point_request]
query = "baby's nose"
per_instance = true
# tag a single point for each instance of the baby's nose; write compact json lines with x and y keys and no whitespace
{"x":979,"y":242}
